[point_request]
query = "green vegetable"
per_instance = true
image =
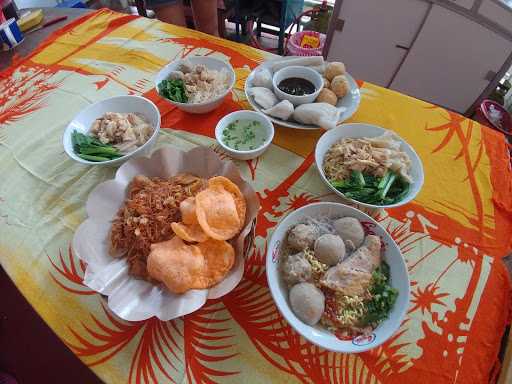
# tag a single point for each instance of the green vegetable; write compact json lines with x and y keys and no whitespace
{"x":173,"y":89}
{"x":91,"y":149}
{"x":389,"y":182}
{"x":366,"y":188}
{"x":359,"y":178}
{"x":383,"y":296}
{"x":93,"y":158}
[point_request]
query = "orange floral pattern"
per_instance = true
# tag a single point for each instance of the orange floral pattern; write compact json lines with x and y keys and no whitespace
{"x":452,"y":242}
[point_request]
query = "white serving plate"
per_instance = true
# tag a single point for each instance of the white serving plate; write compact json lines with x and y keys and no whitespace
{"x":356,"y":130}
{"x":350,"y":101}
{"x":317,"y":334}
{"x":134,"y":299}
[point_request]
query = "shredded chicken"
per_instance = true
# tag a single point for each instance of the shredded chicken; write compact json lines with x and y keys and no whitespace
{"x":348,"y":283}
{"x":352,"y":276}
{"x":201,"y":83}
{"x":370,"y":155}
{"x":125,"y":131}
{"x":146,"y":216}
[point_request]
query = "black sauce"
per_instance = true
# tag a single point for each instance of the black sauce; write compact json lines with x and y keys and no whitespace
{"x":296,"y":86}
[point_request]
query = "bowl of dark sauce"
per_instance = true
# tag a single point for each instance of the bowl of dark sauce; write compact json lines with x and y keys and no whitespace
{"x":299,"y":85}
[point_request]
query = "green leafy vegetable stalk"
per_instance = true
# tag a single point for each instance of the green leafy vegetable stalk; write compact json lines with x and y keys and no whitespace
{"x":383,"y":296}
{"x":91,"y":149}
{"x":173,"y":89}
{"x":366,"y":188}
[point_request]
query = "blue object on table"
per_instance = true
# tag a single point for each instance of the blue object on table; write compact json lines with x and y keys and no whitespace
{"x":10,"y":33}
{"x":71,"y":4}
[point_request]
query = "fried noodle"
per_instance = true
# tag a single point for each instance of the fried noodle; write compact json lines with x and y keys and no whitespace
{"x":146,"y":216}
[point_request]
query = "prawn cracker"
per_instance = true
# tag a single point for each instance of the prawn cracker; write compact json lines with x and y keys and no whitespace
{"x":216,"y":213}
{"x":178,"y":265}
{"x":219,"y":259}
{"x":191,"y":233}
{"x":188,"y":210}
{"x":232,"y":188}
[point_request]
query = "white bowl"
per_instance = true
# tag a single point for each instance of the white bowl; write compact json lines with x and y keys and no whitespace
{"x":250,"y":115}
{"x":210,"y":63}
{"x":366,"y":130}
{"x":317,"y":334}
{"x":122,"y":104}
{"x":301,"y":72}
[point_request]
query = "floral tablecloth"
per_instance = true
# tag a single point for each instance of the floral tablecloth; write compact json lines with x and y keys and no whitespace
{"x":452,"y":236}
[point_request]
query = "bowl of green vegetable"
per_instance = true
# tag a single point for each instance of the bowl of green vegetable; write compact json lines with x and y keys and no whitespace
{"x":244,"y":135}
{"x":197,"y":84}
{"x":112,"y":131}
{"x":369,"y":165}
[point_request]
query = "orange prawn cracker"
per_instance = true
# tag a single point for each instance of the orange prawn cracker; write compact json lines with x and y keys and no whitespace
{"x":191,"y":233}
{"x":188,"y":210}
{"x":182,"y":267}
{"x":219,"y":258}
{"x":217,"y":214}
{"x":178,"y":265}
{"x":232,"y":188}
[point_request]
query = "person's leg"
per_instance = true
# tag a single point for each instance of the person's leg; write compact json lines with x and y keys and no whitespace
{"x":169,"y":12}
{"x":205,"y":16}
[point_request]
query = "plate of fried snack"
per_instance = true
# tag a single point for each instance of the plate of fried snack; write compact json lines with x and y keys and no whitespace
{"x":167,"y":233}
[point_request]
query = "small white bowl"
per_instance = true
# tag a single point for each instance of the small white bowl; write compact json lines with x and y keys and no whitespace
{"x":248,"y":115}
{"x":317,"y":334}
{"x":301,"y":72}
{"x":208,"y":62}
{"x":366,"y":130}
{"x":123,"y":104}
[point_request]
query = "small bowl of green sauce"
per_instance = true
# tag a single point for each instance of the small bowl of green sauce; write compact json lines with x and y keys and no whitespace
{"x":244,"y":135}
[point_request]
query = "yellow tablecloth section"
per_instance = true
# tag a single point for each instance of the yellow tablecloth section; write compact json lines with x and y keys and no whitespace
{"x":452,"y":236}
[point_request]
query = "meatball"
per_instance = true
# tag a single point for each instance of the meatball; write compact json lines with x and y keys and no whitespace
{"x":350,"y":230}
{"x":334,"y":69}
{"x":327,"y":83}
{"x":303,"y":236}
{"x":307,"y":302}
{"x":296,"y":269}
{"x":327,"y":96}
{"x":340,"y":85}
{"x":329,"y":249}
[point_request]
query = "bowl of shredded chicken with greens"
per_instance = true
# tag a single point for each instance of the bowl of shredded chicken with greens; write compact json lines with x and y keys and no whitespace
{"x":337,"y":277}
{"x":369,"y":165}
{"x":196,"y":84}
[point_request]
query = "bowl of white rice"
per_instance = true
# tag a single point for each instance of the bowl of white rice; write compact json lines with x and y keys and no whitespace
{"x":197,"y":84}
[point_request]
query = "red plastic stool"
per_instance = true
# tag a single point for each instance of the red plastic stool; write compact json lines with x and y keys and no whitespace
{"x":483,"y":115}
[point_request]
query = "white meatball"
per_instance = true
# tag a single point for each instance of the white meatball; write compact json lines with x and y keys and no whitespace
{"x":350,"y":229}
{"x":303,"y":236}
{"x":296,"y":269}
{"x":307,"y":302}
{"x":329,"y":249}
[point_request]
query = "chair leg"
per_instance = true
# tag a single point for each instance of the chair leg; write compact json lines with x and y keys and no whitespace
{"x":244,"y":27}
{"x":237,"y":19}
{"x":282,"y":27}
{"x":141,"y":8}
{"x":221,"y":22}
